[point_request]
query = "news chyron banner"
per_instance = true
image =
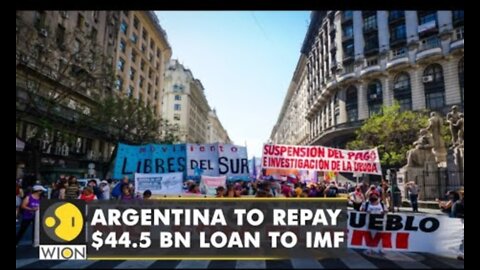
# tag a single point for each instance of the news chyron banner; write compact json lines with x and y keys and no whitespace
{"x":193,"y":228}
{"x":193,"y":160}
{"x":320,"y":158}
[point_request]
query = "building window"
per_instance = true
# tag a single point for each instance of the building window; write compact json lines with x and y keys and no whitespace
{"x":176,"y":117}
{"x":177,"y":107}
{"x":426,"y":17}
{"x":375,"y":97}
{"x":119,"y":83}
{"x":136,"y":22}
{"x":144,"y":34}
{"x":347,"y":31}
{"x":96,"y":15}
{"x":149,"y":91}
{"x":371,"y":43}
{"x":461,"y":77}
{"x":124,"y":27}
{"x":158,"y":52}
{"x":122,"y":45}
{"x":347,"y":15}
{"x":427,"y":22}
{"x":429,"y":43}
{"x":402,"y":91}
{"x":336,"y":109}
{"x":459,"y":33}
{"x":144,"y":48}
{"x":434,"y":86}
{"x":130,"y":91}
{"x":369,"y":22}
{"x":150,"y":73}
{"x":458,"y":17}
{"x":120,"y":64}
{"x":142,"y":65}
{"x":40,"y":17}
{"x":396,"y":15}
{"x":178,"y":97}
{"x":351,"y":104}
{"x":400,"y":52}
{"x":156,"y":81}
{"x":60,"y":38}
{"x":152,"y":45}
{"x":134,"y":38}
{"x":140,"y":82}
{"x":132,"y":73}
{"x":94,"y":34}
{"x":80,"y":21}
{"x":133,"y":56}
{"x":398,"y":32}
{"x":348,"y":50}
{"x":156,"y":95}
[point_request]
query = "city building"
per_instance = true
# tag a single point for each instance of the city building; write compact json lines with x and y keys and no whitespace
{"x":357,"y":61}
{"x":215,"y":130}
{"x":63,"y":60}
{"x":185,"y":104}
{"x":142,"y":53}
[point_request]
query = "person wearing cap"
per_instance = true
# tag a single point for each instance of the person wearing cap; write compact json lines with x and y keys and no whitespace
{"x":105,"y":188}
{"x":30,"y":205}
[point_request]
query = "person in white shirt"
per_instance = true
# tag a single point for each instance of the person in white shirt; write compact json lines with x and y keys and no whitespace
{"x":105,"y":188}
{"x":374,"y":206}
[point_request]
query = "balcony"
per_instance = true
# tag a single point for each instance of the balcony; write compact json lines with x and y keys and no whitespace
{"x":428,"y":47}
{"x":369,"y":28}
{"x":370,"y":69}
{"x":371,"y":50}
{"x":458,"y":39}
{"x":458,"y":18}
{"x":398,"y":41}
{"x":398,"y":57}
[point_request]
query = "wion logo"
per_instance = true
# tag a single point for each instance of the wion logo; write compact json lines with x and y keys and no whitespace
{"x":62,"y":233}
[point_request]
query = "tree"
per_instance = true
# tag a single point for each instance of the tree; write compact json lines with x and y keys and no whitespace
{"x":392,"y":132}
{"x":128,"y":120}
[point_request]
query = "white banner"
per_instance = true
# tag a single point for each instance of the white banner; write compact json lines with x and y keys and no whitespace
{"x":166,"y":183}
{"x":320,"y":158}
{"x":217,"y":159}
{"x":232,"y":160}
{"x":440,"y":235}
{"x":202,"y":159}
{"x":209,"y":184}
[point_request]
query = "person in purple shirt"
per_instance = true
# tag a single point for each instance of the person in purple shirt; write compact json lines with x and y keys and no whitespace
{"x":30,"y":205}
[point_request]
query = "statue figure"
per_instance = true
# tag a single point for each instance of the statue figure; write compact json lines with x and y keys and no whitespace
{"x":435,"y":124}
{"x":459,"y":126}
{"x":452,"y":118}
{"x":422,"y":153}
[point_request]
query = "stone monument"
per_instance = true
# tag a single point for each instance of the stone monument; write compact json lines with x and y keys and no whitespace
{"x":435,"y":124}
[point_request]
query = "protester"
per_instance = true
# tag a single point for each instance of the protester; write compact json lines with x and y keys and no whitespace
{"x":194,"y":189}
{"x":332,"y":190}
{"x":105,"y":189}
{"x":220,"y":192}
{"x":357,"y":198}
{"x":374,"y":206}
{"x":413,"y":190}
{"x":19,"y":196}
{"x":147,"y":194}
{"x":73,"y":189}
{"x":446,"y":206}
{"x":30,"y":205}
{"x":126,"y":194}
{"x":88,"y":195}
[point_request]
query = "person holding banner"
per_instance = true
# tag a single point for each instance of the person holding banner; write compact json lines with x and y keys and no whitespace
{"x":220,"y":192}
{"x":357,"y":198}
{"x":374,"y":206}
